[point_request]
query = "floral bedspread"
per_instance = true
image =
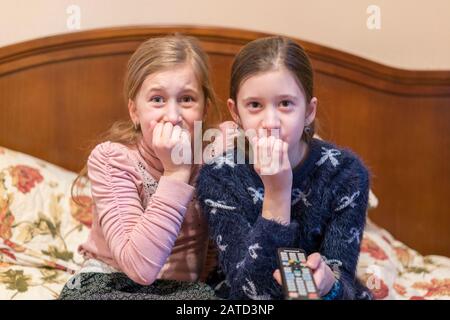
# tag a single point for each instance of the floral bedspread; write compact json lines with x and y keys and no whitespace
{"x":392,"y":270}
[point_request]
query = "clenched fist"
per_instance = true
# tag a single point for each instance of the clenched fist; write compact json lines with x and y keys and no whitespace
{"x":271,"y":162}
{"x":167,"y":141}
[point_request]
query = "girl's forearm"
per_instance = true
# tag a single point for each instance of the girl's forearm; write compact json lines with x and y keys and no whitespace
{"x":277,"y":206}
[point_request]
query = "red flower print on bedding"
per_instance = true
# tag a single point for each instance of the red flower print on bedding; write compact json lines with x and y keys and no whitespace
{"x":8,"y":253}
{"x":16,"y":247}
{"x":401,"y":290}
{"x":403,"y":255}
{"x":373,"y":249}
{"x":13,"y":247}
{"x":376,"y":285}
{"x":436,"y":287}
{"x":81,"y":209}
{"x":6,"y":219}
{"x":24,"y":177}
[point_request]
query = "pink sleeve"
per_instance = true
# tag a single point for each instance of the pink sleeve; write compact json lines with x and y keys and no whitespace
{"x":140,"y":239}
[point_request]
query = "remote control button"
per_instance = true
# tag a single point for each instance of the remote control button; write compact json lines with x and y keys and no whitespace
{"x":307,"y":270}
{"x":299,"y":283}
{"x":307,"y":277}
{"x":310,"y":287}
{"x":291,"y":285}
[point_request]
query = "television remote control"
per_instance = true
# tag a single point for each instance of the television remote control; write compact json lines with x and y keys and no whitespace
{"x":297,"y":278}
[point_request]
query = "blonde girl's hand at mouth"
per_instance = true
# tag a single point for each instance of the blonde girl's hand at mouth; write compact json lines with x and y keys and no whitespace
{"x":165,"y":138}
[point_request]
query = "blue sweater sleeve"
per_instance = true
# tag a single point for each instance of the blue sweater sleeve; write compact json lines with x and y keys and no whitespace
{"x":247,"y":248}
{"x":342,"y":238}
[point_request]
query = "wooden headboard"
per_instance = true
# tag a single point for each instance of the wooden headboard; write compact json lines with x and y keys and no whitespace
{"x":58,"y":93}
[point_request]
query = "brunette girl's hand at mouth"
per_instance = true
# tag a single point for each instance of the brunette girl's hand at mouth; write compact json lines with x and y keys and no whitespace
{"x":271,"y":162}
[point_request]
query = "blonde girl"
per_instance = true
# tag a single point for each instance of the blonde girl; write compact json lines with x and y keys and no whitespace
{"x":148,"y":241}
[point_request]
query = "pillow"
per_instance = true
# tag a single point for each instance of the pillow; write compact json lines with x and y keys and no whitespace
{"x":40,"y":225}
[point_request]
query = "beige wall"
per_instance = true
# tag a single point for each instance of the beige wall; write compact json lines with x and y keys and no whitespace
{"x":413,"y":35}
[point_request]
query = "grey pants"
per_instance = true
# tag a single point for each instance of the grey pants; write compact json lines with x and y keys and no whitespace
{"x":117,"y":286}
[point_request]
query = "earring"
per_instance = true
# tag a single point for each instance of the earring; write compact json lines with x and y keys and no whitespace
{"x":136,"y":126}
{"x":307,"y":130}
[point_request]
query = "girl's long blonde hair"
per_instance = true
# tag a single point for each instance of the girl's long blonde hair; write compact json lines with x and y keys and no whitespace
{"x":154,"y":55}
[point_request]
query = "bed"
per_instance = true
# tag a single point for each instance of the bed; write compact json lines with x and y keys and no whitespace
{"x":58,"y":93}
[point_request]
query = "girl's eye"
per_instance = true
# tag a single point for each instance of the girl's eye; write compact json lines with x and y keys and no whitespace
{"x":187,"y":99}
{"x":286,"y":103}
{"x":254,"y":105}
{"x":157,"y":99}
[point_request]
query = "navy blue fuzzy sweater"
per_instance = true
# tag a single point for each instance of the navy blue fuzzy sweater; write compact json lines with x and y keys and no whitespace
{"x":328,"y":213}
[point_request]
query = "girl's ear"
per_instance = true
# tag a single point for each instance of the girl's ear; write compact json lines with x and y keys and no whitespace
{"x":311,"y":111}
{"x":232,"y":108}
{"x":133,"y":111}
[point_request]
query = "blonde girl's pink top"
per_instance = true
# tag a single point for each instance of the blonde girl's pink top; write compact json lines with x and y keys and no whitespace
{"x":145,"y":225}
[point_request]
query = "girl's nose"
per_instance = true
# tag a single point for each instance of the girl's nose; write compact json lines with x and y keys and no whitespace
{"x":172,"y":114}
{"x":271,"y":122}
